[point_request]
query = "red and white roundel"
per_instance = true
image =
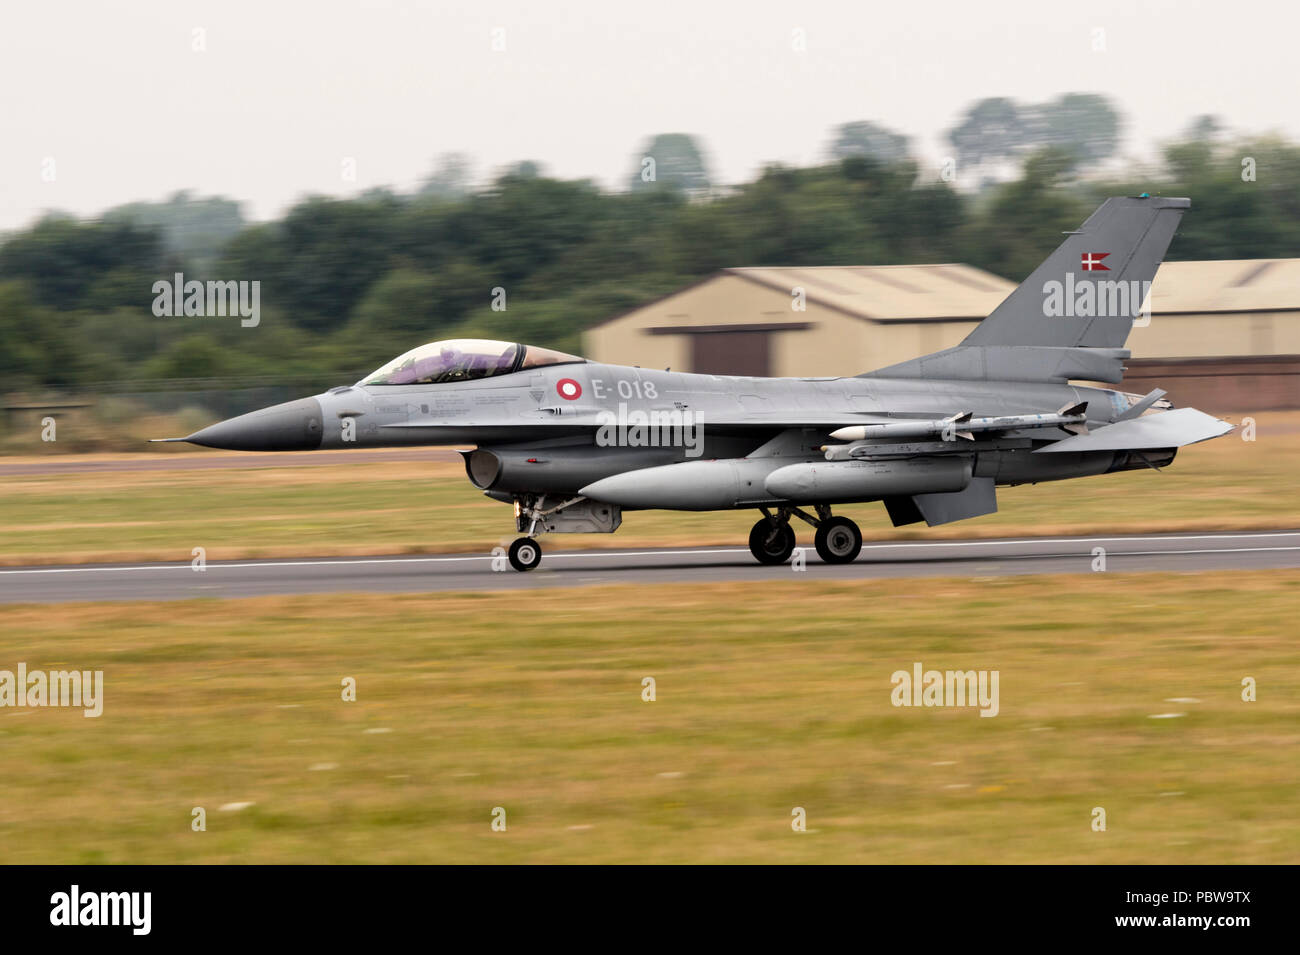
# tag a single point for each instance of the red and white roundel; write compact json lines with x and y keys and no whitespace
{"x":568,"y":389}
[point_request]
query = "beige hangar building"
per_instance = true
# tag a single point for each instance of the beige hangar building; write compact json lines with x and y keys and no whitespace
{"x":1224,"y":335}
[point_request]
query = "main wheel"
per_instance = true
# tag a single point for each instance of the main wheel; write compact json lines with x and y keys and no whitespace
{"x":771,"y":543}
{"x":525,"y":554}
{"x":838,"y":540}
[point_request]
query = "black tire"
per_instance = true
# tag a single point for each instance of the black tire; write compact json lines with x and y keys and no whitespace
{"x":525,"y":554}
{"x":838,"y":540}
{"x":771,"y":544}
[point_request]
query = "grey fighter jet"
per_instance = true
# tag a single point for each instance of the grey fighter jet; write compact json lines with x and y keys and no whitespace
{"x":571,"y":443}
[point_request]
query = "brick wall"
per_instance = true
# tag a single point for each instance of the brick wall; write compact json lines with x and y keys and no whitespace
{"x":1253,"y":383}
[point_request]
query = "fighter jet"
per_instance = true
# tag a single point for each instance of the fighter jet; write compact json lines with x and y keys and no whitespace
{"x":571,"y":444}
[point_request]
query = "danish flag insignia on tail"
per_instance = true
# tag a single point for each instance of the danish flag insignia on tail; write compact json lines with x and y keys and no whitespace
{"x":1091,"y":262}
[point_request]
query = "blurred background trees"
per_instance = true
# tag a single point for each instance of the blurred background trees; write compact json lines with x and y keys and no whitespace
{"x":869,"y":140}
{"x":672,"y":161}
{"x":995,"y":134}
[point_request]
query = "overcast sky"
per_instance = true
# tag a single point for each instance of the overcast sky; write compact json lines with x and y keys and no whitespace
{"x":119,"y":98}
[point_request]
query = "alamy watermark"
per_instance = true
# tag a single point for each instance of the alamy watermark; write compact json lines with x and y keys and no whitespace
{"x":1098,"y":298}
{"x":83,"y":688}
{"x":678,"y":428}
{"x":75,"y":907}
{"x":923,"y":687}
{"x":176,"y":297}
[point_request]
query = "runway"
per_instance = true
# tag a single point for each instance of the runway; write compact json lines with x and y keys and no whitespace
{"x":578,"y":568}
{"x":31,"y":466}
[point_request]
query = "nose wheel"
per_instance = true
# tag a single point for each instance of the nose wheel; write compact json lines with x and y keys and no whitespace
{"x":525,"y":554}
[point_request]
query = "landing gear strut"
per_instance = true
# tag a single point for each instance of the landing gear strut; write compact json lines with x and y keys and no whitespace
{"x":573,"y":515}
{"x":525,"y":553}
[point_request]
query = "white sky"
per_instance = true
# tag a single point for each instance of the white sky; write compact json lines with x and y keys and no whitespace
{"x":117,"y":97}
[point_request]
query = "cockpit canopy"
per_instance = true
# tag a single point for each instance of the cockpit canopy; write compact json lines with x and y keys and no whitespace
{"x":464,"y":359}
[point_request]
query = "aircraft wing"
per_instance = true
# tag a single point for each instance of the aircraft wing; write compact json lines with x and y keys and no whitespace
{"x":1169,"y":429}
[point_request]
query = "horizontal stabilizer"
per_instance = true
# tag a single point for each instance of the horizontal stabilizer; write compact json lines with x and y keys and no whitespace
{"x":1169,"y":429}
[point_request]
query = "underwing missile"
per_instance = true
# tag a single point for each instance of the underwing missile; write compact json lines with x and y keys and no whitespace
{"x":1071,"y":418}
{"x":904,"y":429}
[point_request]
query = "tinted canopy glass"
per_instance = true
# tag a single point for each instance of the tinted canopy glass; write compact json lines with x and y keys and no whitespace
{"x":462,"y":359}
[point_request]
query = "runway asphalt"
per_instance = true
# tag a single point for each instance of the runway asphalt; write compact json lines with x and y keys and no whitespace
{"x":215,"y":461}
{"x":576,"y":568}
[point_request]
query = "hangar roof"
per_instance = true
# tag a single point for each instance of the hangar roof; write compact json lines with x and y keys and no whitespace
{"x":905,"y":293}
{"x":1227,"y":285}
{"x":890,"y":292}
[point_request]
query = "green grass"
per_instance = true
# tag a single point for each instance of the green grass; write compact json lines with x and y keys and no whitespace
{"x":414,"y":507}
{"x":769,"y":697}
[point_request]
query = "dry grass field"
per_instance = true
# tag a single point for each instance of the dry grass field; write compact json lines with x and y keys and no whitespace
{"x":768,"y":697}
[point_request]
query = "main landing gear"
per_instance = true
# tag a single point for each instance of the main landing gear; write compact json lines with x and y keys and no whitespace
{"x":838,"y":540}
{"x":772,"y":541}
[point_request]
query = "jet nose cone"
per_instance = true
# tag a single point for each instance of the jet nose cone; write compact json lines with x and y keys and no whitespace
{"x":292,"y":426}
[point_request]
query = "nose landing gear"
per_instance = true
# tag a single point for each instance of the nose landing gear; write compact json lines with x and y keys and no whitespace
{"x":574,"y":515}
{"x":525,"y":554}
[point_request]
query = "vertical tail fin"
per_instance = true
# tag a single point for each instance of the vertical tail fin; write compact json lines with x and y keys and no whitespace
{"x":1087,"y":293}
